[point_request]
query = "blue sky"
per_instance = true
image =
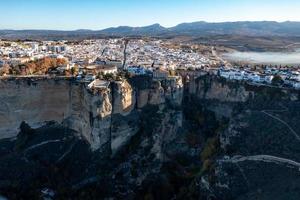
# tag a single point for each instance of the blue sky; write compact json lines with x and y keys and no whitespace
{"x":99,"y":14}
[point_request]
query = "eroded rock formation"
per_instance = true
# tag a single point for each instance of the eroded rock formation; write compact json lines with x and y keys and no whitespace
{"x":214,"y":140}
{"x":88,"y":112}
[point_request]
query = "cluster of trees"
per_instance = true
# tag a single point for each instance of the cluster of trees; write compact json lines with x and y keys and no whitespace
{"x":42,"y":66}
{"x":262,"y":67}
{"x":37,"y":67}
{"x":117,"y":77}
{"x":277,"y":80}
{"x":6,"y":69}
{"x":26,"y":132}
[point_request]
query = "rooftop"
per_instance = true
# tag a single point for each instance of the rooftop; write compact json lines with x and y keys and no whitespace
{"x":99,"y":84}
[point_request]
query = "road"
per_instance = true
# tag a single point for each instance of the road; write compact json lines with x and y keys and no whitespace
{"x":283,"y":122}
{"x":215,"y":54}
{"x":262,"y":158}
{"x":41,"y":144}
{"x":66,"y":153}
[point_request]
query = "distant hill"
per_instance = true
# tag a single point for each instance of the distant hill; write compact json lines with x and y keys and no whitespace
{"x":155,"y":30}
{"x":263,"y":28}
{"x":48,"y":34}
{"x":195,"y":29}
{"x":201,"y":28}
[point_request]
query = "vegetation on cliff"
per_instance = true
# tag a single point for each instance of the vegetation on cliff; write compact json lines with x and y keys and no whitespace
{"x":26,"y":132}
{"x":172,"y":151}
{"x":38,"y":67}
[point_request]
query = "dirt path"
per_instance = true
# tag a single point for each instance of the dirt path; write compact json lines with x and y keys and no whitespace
{"x":41,"y":144}
{"x":262,"y":158}
{"x":284,"y":123}
{"x":66,"y":153}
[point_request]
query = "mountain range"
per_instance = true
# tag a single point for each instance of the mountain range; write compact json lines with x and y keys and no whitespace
{"x":247,"y":28}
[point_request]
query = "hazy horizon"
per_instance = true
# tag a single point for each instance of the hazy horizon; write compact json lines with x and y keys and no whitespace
{"x":98,"y":15}
{"x":286,"y":58}
{"x":145,"y":25}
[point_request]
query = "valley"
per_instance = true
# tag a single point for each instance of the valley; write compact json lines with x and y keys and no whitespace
{"x":195,"y":141}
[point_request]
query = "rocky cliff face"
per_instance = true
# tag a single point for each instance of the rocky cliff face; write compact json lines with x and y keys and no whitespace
{"x":207,"y":139}
{"x":213,"y":88}
{"x":91,"y":113}
{"x":124,"y":98}
{"x":32,"y":101}
{"x":158,"y":92}
{"x":258,"y":147}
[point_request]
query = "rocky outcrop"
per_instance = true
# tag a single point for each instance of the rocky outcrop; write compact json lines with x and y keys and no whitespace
{"x":63,"y":101}
{"x":124,"y":98}
{"x":218,"y":143}
{"x":160,"y":91}
{"x":260,"y":139}
{"x":91,"y":113}
{"x":174,"y":90}
{"x":123,"y":129}
{"x":32,"y":101}
{"x":142,"y":98}
{"x":156,"y":94}
{"x":214,"y":88}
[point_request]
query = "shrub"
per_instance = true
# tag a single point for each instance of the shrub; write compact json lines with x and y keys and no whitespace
{"x":211,"y":148}
{"x":277,"y":80}
{"x":25,"y":133}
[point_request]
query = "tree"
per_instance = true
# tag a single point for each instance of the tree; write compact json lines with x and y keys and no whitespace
{"x":277,"y":80}
{"x":26,"y":129}
{"x":26,"y":132}
{"x":74,"y":70}
{"x":61,"y":61}
{"x":43,"y":65}
{"x":68,"y":72}
{"x":172,"y":72}
{"x":5,"y":70}
{"x":108,"y":77}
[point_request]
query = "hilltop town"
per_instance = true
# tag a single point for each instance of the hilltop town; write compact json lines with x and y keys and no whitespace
{"x":149,"y":100}
{"x":111,"y":59}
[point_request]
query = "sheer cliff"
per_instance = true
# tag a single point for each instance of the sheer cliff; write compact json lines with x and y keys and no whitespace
{"x":91,"y":113}
{"x":206,"y":138}
{"x":32,"y":101}
{"x":257,"y":156}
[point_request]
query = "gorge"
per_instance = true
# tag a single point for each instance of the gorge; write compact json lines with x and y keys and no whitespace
{"x":201,"y":137}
